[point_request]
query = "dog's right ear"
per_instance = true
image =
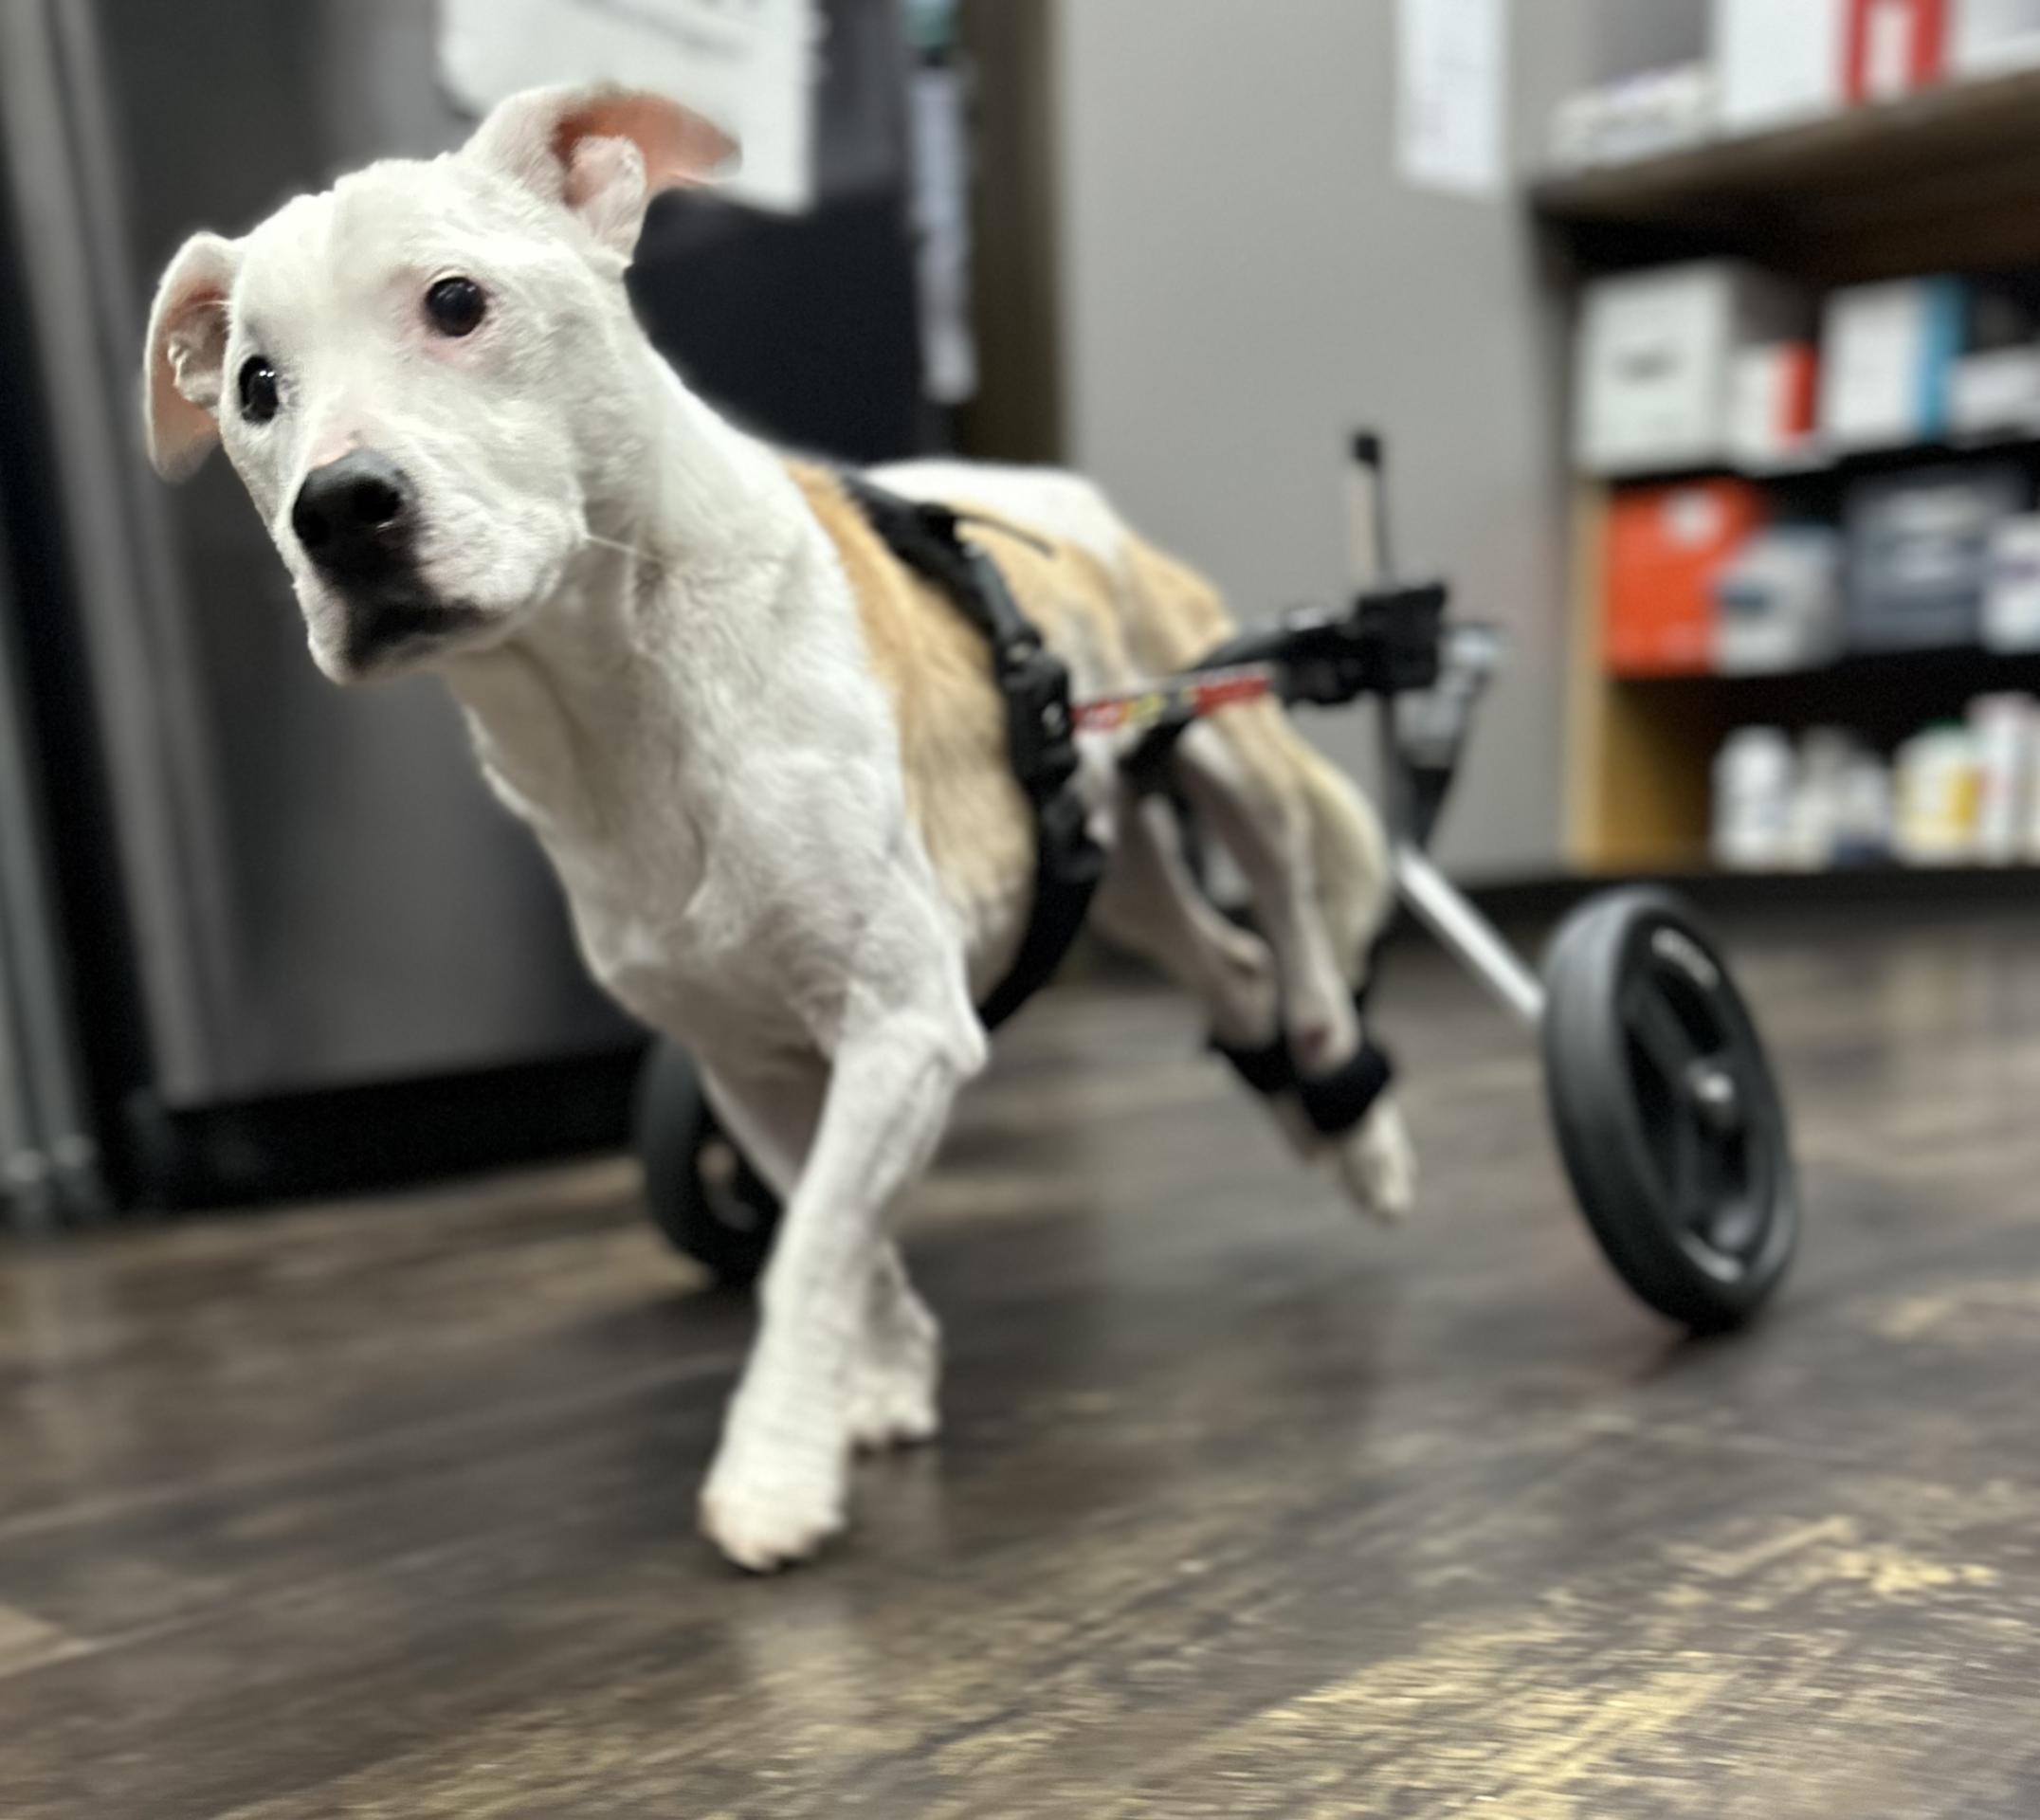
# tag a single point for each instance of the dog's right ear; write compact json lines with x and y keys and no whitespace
{"x":182,"y":368}
{"x":602,"y":153}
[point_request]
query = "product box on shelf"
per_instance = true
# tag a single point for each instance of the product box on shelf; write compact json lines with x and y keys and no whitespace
{"x":1777,"y":62}
{"x":1987,"y":37}
{"x":1666,"y":548}
{"x":2012,"y":585}
{"x":1919,"y":553}
{"x":1772,"y":394}
{"x":1638,"y":117}
{"x":1995,"y":394}
{"x":1895,"y":47}
{"x":1656,"y":359}
{"x":1886,"y":353}
{"x":1779,"y":602}
{"x":1994,"y":388}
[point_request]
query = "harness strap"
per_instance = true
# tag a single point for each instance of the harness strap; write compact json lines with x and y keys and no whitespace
{"x":1040,"y":728}
{"x":1267,"y":1070}
{"x":1333,"y":1102}
{"x":1067,"y":866}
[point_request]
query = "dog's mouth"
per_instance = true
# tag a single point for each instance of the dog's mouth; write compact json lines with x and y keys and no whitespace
{"x":385,"y":629}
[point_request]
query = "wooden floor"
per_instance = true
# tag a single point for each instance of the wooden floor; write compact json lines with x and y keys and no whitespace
{"x":1244,"y":1508}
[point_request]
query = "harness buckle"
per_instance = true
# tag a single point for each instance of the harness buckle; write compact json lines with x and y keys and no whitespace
{"x":1034,"y":683}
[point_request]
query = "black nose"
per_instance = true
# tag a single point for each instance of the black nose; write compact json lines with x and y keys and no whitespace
{"x":354,"y":515}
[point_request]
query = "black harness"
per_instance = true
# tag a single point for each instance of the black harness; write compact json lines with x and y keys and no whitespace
{"x":1040,"y":734}
{"x":1041,"y":737}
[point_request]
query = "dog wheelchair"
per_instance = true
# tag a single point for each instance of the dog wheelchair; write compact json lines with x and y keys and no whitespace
{"x":1667,"y":1116}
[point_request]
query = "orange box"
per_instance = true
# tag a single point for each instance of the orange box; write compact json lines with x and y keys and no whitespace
{"x":1665,"y":546}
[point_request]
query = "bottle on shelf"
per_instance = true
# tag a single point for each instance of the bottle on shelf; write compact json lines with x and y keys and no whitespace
{"x":1938,"y":787}
{"x":1756,"y":775}
{"x":2003,"y":727}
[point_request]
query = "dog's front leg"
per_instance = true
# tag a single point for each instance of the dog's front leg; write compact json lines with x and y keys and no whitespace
{"x":776,"y":1490}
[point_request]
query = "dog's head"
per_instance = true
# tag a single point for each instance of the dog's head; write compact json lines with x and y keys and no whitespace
{"x":425,"y":375}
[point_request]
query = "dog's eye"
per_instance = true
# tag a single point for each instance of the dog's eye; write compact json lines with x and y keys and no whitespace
{"x":259,"y":398}
{"x":456,"y":306}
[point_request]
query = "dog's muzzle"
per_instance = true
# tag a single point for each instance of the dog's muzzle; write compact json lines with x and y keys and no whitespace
{"x":357,"y":519}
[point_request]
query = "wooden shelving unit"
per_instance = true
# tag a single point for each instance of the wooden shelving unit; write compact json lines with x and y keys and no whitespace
{"x":1944,"y":181}
{"x":1941,"y":181}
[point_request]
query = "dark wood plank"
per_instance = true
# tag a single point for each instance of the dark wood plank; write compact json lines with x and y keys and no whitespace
{"x":1243,"y":1510}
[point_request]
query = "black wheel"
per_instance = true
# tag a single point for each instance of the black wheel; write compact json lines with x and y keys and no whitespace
{"x":705,"y":1198}
{"x":1669,"y":1118}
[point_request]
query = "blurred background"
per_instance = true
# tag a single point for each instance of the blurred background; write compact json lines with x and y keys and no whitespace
{"x":1703,"y":334}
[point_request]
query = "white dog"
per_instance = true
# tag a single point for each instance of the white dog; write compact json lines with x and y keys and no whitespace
{"x":767,"y":759}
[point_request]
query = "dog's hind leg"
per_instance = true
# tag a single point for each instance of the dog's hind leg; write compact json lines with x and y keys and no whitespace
{"x":1243,"y":773}
{"x":1149,"y":904}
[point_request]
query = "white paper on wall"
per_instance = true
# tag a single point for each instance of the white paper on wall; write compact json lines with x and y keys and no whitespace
{"x":943,"y":222}
{"x":1451,"y":95}
{"x":748,"y":64}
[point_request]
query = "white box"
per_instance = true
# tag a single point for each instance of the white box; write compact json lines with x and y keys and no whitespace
{"x":1778,"y":603}
{"x":1987,"y":36}
{"x":1887,"y":352}
{"x":1639,"y":116}
{"x":1655,"y":360}
{"x":1995,"y":393}
{"x":2012,"y":589}
{"x":1778,"y":61}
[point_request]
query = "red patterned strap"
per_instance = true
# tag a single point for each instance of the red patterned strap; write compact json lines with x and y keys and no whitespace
{"x":1183,"y":698}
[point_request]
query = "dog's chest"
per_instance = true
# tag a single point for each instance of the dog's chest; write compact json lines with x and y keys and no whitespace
{"x":666,"y":973}
{"x":730,"y":907}
{"x":662,"y":925}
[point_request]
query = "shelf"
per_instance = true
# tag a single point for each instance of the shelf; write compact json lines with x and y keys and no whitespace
{"x":1948,"y":179}
{"x":1853,"y":667}
{"x":1698,"y":875}
{"x":1675,"y":725}
{"x":1944,"y":181}
{"x":1724,"y":894}
{"x":1821,"y":465}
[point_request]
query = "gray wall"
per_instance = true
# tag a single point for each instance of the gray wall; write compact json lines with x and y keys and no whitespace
{"x":1243,"y":279}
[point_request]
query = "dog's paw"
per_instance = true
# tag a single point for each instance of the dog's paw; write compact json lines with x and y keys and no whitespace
{"x":774,"y":1497}
{"x":1377,"y":1164}
{"x":894,"y":1384}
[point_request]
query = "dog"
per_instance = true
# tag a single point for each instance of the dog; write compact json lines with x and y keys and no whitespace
{"x":767,"y":760}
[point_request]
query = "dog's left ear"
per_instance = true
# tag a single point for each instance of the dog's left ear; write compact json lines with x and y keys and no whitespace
{"x":601,"y":153}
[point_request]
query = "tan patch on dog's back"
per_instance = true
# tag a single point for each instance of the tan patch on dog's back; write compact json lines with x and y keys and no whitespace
{"x":1118,"y":624}
{"x":937,"y":672}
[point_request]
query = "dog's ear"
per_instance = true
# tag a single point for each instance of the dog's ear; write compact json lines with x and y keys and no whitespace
{"x":182,"y":367}
{"x":602,"y":153}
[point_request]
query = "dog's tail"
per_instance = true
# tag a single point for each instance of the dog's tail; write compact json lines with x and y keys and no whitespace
{"x":1349,"y":854}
